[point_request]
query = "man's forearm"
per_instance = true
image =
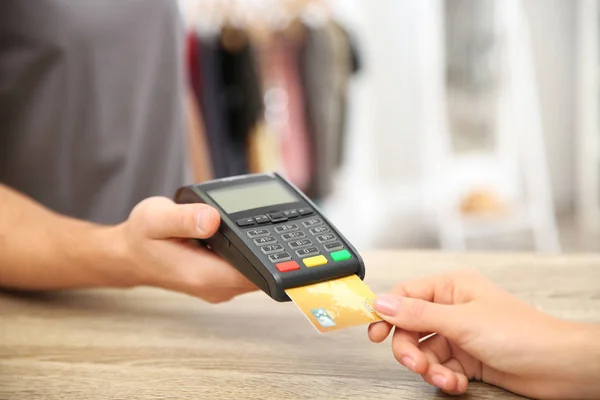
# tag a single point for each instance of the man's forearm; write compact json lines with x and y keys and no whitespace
{"x":42,"y":250}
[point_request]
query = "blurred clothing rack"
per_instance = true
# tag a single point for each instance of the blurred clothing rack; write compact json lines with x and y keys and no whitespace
{"x":269,"y":81}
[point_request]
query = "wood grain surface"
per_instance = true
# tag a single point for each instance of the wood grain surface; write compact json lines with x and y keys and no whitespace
{"x":152,"y":344}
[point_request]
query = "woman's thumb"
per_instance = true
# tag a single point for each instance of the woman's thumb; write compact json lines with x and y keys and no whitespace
{"x":421,"y":316}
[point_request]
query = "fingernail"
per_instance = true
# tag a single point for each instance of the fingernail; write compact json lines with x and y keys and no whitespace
{"x":202,"y":220}
{"x":409,"y":363}
{"x":439,"y":381}
{"x":386,"y":305}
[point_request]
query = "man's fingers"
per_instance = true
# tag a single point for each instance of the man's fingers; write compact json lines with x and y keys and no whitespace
{"x":422,"y":316}
{"x":213,"y":272}
{"x":161,"y":218}
{"x":197,"y":271}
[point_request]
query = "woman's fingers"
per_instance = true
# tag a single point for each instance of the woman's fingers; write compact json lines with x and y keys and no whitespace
{"x":405,"y":346}
{"x":418,"y":315}
{"x":437,"y":349}
{"x":378,"y":331}
{"x":444,"y":370}
{"x":454,"y":365}
{"x":446,"y":378}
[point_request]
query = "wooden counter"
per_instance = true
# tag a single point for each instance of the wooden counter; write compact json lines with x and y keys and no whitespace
{"x":151,"y":344}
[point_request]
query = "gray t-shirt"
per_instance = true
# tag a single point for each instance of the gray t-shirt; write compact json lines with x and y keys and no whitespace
{"x":92,"y":103}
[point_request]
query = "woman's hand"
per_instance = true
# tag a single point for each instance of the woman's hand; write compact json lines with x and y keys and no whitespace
{"x":482,"y":332}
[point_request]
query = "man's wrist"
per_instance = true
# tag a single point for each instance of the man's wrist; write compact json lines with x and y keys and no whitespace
{"x":102,"y":253}
{"x":117,"y":269}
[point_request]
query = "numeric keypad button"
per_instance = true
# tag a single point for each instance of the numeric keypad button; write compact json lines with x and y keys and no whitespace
{"x":286,"y":228}
{"x":265,"y":240}
{"x":254,"y":233}
{"x":318,"y":230}
{"x":326,"y":238}
{"x":312,"y":222}
{"x":270,"y":249}
{"x":333,"y":246}
{"x":293,"y":235}
{"x":307,"y":252}
{"x":296,"y":244}
{"x":279,"y":257}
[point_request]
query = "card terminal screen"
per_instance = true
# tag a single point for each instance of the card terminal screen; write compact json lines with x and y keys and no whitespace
{"x":252,"y":195}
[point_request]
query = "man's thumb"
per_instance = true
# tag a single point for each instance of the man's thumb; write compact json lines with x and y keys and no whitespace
{"x":161,"y":218}
{"x":418,"y":315}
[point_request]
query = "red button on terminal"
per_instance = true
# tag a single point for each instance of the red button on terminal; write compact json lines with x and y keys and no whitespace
{"x":287,"y":266}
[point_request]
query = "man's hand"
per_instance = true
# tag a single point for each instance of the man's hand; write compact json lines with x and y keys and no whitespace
{"x":43,"y":250}
{"x":159,"y":249}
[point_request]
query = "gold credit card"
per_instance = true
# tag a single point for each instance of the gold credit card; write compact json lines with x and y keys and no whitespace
{"x":336,"y":304}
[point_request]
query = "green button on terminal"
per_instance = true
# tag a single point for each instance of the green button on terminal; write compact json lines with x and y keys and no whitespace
{"x":341,"y":255}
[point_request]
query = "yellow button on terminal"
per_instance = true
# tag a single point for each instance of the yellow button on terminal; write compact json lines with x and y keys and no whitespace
{"x":314,"y":261}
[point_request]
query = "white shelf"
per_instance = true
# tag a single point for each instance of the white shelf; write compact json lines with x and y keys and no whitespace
{"x":588,"y":116}
{"x":494,"y":225}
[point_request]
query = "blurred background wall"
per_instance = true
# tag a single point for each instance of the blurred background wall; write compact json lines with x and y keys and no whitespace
{"x":554,"y":49}
{"x":466,"y":123}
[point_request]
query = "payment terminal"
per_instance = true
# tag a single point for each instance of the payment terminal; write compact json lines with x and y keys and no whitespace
{"x":273,"y":234}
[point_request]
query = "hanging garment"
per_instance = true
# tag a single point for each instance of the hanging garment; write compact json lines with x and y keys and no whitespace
{"x":198,"y":149}
{"x":295,"y":141}
{"x":263,"y":149}
{"x":193,"y":66}
{"x":92,"y":96}
{"x":325,"y":65}
{"x":213,"y":108}
{"x":242,"y":98}
{"x":264,"y":141}
{"x":284,"y":109}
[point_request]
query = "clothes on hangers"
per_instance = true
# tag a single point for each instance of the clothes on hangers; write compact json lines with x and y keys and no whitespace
{"x":242,"y":95}
{"x":284,"y":108}
{"x":199,"y":151}
{"x":213,"y":108}
{"x":263,"y":149}
{"x":193,"y":66}
{"x":265,"y":139}
{"x":230,"y":99}
{"x":326,"y":68}
{"x":276,"y":104}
